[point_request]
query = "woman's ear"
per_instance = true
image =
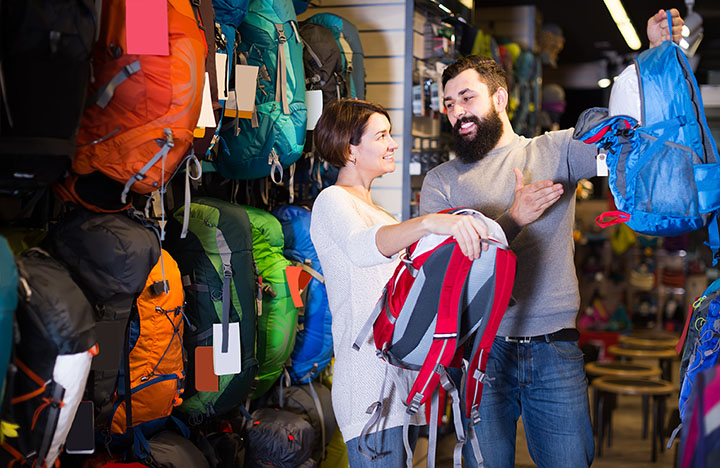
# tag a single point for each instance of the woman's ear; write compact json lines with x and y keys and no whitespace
{"x":500,"y":100}
{"x":352,"y":154}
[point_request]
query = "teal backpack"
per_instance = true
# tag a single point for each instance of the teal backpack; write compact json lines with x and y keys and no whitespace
{"x":348,"y":39}
{"x":216,"y":263}
{"x":274,"y":138}
{"x":277,"y":321}
{"x":664,"y":172}
{"x":8,"y":303}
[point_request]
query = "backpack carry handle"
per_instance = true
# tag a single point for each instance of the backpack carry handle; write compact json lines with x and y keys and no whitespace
{"x":610,"y":218}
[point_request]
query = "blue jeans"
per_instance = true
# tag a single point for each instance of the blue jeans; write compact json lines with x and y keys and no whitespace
{"x":389,"y":442}
{"x":546,"y":384}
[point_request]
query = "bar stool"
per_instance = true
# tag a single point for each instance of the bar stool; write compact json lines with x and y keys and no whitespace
{"x":648,"y":340}
{"x":664,"y":354}
{"x":619,"y":369}
{"x":659,"y":390}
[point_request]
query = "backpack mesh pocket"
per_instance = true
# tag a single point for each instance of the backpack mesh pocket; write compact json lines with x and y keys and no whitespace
{"x":665,"y":182}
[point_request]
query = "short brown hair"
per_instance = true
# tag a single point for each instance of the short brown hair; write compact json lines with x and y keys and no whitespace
{"x":342,"y":124}
{"x":492,"y":74}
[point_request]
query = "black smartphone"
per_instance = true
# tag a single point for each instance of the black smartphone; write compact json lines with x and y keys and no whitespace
{"x":81,"y":438}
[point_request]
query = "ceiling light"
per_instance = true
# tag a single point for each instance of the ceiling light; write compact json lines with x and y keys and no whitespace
{"x":604,"y":82}
{"x":617,"y":11}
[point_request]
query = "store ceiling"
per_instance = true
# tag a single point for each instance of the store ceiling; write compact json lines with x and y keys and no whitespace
{"x":590,"y":32}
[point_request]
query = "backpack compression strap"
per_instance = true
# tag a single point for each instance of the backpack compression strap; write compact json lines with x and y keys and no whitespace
{"x":225,"y":257}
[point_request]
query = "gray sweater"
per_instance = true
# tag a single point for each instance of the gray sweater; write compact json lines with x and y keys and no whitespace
{"x":546,"y":286}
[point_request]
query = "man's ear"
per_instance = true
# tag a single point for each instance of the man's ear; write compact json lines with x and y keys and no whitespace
{"x":500,"y":99}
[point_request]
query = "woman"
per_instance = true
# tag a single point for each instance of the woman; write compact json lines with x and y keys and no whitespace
{"x":357,"y":243}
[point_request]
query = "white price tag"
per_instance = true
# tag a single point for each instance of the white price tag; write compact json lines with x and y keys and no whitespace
{"x":314,"y":102}
{"x":601,"y":165}
{"x":221,"y":61}
{"x":245,"y":85}
{"x":207,"y":118}
{"x":230,"y":361}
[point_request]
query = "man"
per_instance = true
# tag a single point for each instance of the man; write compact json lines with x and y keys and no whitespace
{"x":535,"y":368}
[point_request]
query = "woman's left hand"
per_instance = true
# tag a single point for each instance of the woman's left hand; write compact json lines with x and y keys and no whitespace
{"x":466,"y":229}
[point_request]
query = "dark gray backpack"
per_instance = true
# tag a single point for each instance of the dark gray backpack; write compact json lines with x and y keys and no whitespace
{"x":323,"y":62}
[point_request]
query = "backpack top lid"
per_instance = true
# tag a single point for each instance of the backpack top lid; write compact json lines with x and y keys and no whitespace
{"x":109,"y":255}
{"x":56,"y":318}
{"x":417,"y":297}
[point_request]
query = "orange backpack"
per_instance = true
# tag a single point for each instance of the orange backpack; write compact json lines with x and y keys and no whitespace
{"x":141,"y":111}
{"x":155,"y":365}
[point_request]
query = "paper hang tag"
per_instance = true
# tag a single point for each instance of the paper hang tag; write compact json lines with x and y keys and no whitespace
{"x":230,"y":361}
{"x":205,"y":378}
{"x":207,"y":118}
{"x":241,"y":100}
{"x":314,"y":101}
{"x":146,"y":27}
{"x":601,"y":165}
{"x":221,"y":61}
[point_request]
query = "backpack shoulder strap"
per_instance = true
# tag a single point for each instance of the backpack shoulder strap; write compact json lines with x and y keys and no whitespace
{"x":444,"y":342}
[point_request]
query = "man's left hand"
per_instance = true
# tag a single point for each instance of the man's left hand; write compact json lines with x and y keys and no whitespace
{"x":657,"y":27}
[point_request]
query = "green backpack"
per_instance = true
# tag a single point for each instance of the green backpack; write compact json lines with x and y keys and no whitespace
{"x":275,"y":136}
{"x":277,"y":322}
{"x":219,"y":240}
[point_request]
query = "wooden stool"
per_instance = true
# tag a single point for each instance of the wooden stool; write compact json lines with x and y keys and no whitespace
{"x":622,"y":369}
{"x":619,"y":369}
{"x":663,"y":353}
{"x":609,"y":386}
{"x":648,"y":340}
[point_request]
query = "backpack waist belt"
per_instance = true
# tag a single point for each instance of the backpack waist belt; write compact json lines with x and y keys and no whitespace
{"x":565,"y":334}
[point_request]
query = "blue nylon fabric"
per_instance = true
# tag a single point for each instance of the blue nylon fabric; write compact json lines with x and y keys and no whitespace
{"x":230,"y":11}
{"x":707,"y":181}
{"x":705,"y":354}
{"x":313,"y":344}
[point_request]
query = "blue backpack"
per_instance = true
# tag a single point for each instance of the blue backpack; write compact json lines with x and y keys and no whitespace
{"x":313,"y":344}
{"x":663,"y":167}
{"x":8,"y":303}
{"x":702,"y":345}
{"x":274,"y":138}
{"x":348,"y":39}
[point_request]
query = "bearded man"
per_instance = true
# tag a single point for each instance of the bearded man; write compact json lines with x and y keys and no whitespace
{"x":535,"y":368}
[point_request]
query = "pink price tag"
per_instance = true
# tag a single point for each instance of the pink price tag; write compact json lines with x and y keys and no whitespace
{"x":146,"y":27}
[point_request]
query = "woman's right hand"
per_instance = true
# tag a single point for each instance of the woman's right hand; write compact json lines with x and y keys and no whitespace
{"x":466,"y":229}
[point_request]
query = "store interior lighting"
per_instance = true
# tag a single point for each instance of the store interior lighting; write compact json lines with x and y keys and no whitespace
{"x":692,"y":32}
{"x":622,"y":21}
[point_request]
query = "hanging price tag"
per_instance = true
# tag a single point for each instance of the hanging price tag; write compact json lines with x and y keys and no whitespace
{"x":207,"y":118}
{"x":601,"y":165}
{"x":226,"y":362}
{"x":146,"y":27}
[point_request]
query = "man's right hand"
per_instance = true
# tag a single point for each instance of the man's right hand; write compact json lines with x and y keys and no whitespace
{"x":531,"y":200}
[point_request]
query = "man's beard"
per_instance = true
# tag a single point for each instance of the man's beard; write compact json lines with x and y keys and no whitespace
{"x":488,"y":131}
